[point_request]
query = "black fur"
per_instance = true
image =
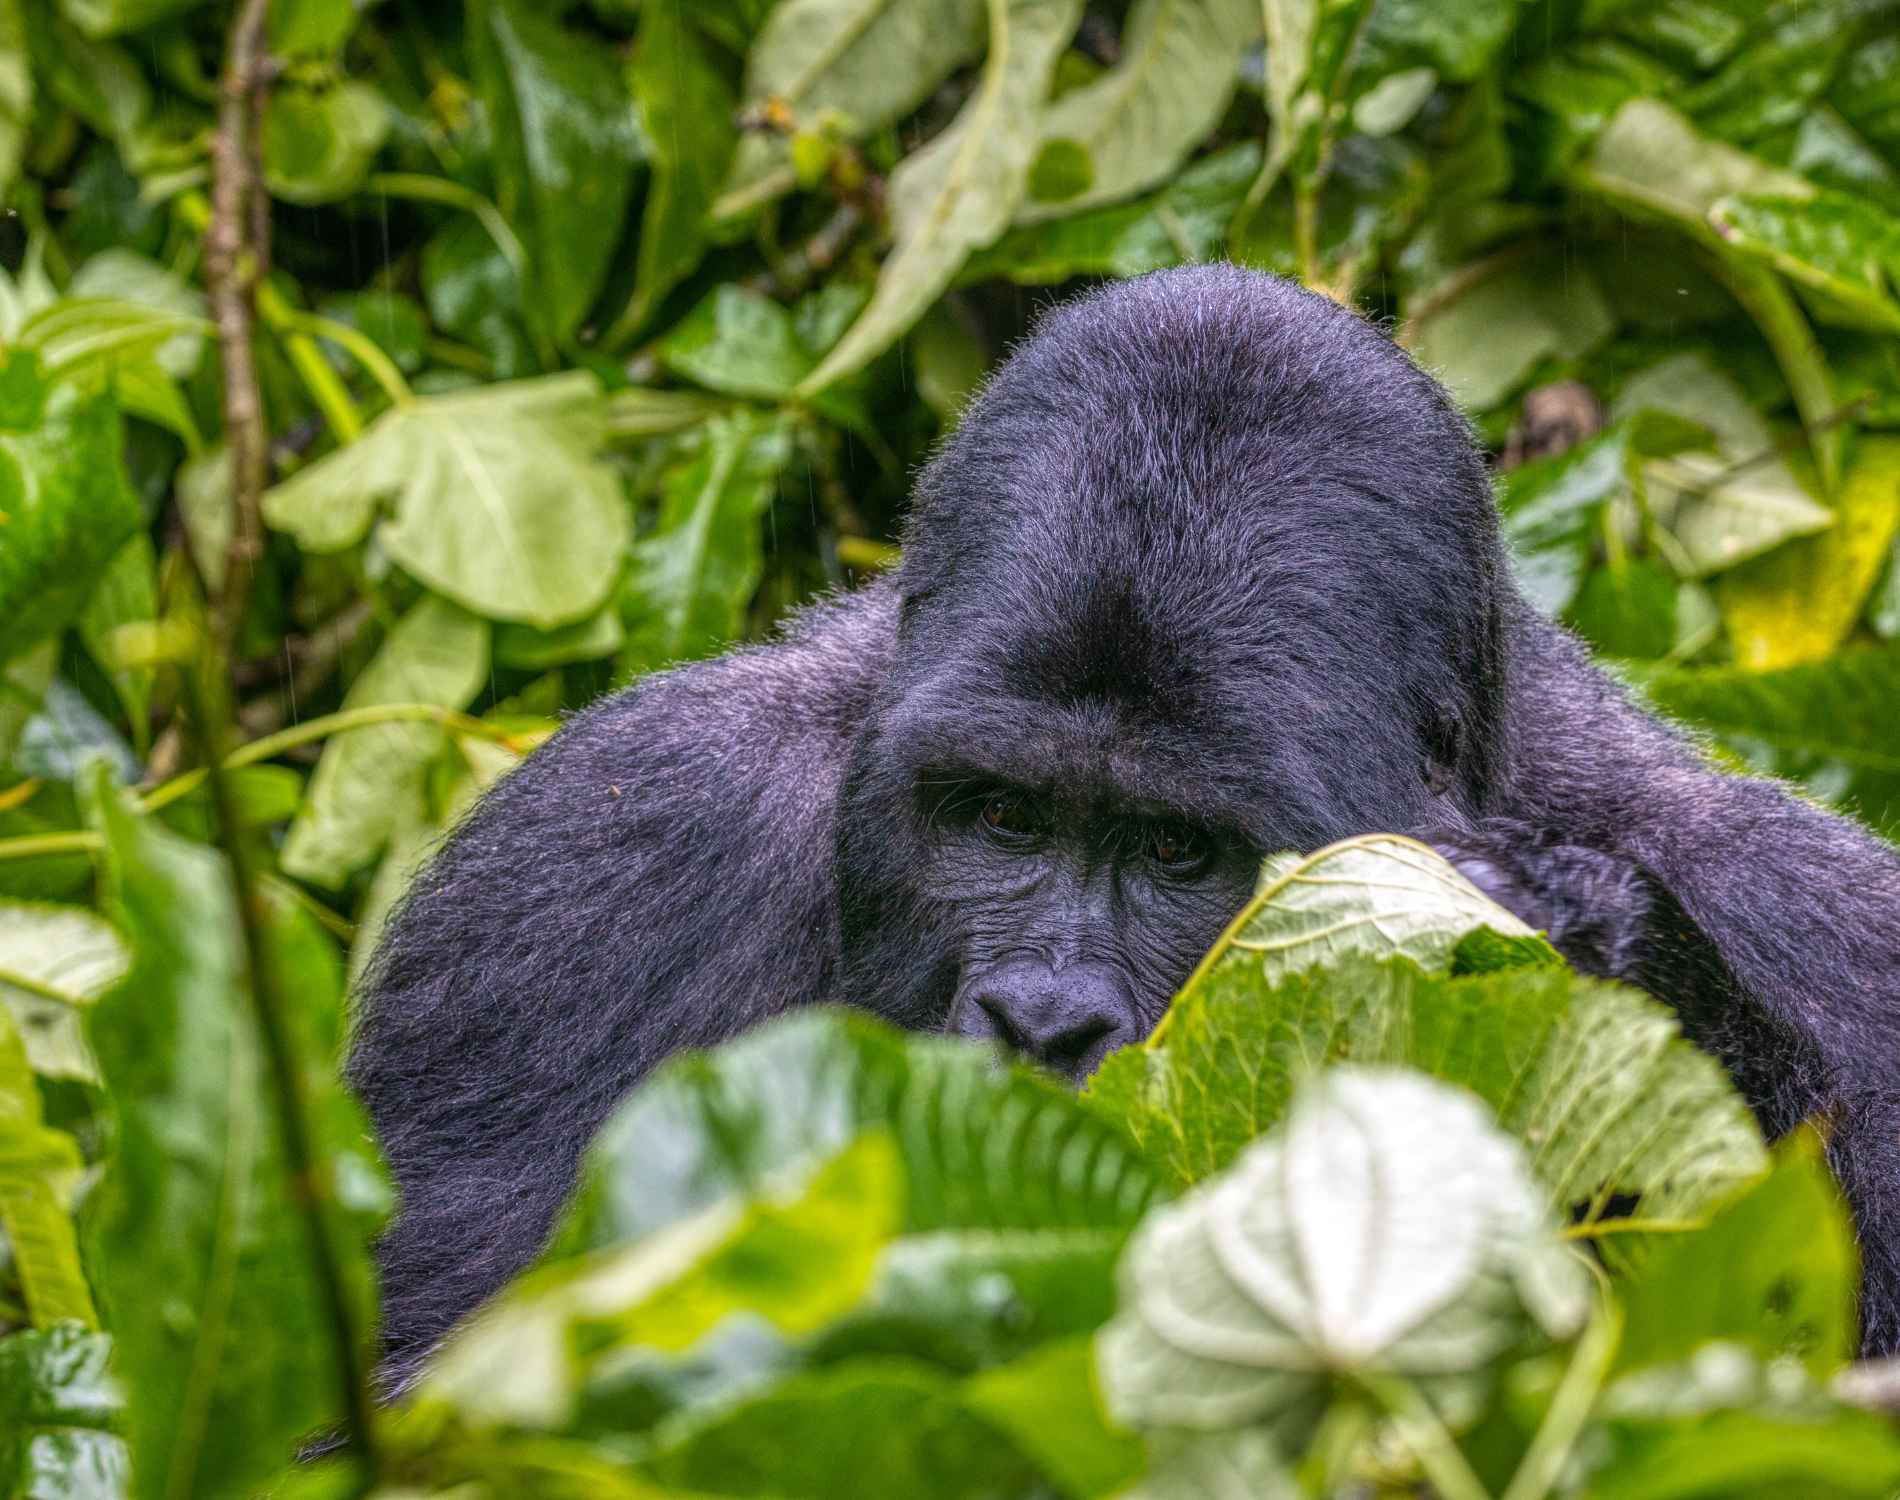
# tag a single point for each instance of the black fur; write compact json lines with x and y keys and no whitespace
{"x":1207,"y":552}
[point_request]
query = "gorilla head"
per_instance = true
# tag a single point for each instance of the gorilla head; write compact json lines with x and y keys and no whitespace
{"x":1210,"y":570}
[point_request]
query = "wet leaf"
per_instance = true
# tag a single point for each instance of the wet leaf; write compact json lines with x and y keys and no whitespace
{"x":59,"y":1414}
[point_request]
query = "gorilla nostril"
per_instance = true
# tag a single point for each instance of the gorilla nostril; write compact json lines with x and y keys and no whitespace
{"x":1062,"y":1037}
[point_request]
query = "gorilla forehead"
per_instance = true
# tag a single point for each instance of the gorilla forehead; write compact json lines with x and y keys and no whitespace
{"x":1228,"y":509}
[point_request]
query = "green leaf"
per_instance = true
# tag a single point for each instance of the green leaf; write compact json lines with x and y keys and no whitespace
{"x":319,"y":142}
{"x":39,"y":1178}
{"x":393,"y":321}
{"x":565,"y":149}
{"x":497,"y":498}
{"x":1388,"y":1226}
{"x":126,"y":594}
{"x":1184,"y":222}
{"x":306,"y":28}
{"x":64,"y":495}
{"x":67,"y":957}
{"x":692,"y":580}
{"x":1048,"y":1404}
{"x":1843,"y":250}
{"x":59,"y":1408}
{"x":858,"y":64}
{"x":1800,"y":602}
{"x":1773,"y":1271}
{"x":436,"y":654}
{"x":1484,"y":342}
{"x":739,"y":342}
{"x":198,"y":1234}
{"x":1722,"y":1423}
{"x":959,"y":191}
{"x":474,"y":294}
{"x":112,"y":17}
{"x":687,"y":113}
{"x":16,"y":93}
{"x":1840,"y":710}
{"x":1725,"y":507}
{"x":1596,"y":1077}
{"x":1629,"y":609}
{"x":534,"y":650}
{"x":1652,"y":160}
{"x":1137,"y":123}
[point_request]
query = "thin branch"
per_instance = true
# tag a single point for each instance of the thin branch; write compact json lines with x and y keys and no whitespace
{"x":236,"y":251}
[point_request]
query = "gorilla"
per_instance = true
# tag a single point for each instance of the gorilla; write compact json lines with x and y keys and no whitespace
{"x":1208,"y":570}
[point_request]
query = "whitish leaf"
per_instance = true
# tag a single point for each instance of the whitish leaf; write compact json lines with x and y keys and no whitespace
{"x":64,"y":958}
{"x":126,"y":276}
{"x":1723,"y":507}
{"x":197,"y":1229}
{"x":861,"y":64}
{"x":1799,"y":602}
{"x":436,"y":654}
{"x":39,"y":1171}
{"x":958,"y":192}
{"x":497,"y":498}
{"x":1390,"y":1226}
{"x":59,"y":1416}
{"x":1139,"y":121}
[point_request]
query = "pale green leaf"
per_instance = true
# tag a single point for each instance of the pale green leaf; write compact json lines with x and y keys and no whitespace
{"x":1140,"y":120}
{"x":958,"y":192}
{"x":66,"y":957}
{"x":436,"y":654}
{"x":39,"y":1173}
{"x":497,"y":497}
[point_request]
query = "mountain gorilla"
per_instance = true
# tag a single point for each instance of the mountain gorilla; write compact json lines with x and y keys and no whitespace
{"x":1209,"y":570}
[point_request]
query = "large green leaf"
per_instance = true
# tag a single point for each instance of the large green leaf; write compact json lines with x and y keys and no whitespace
{"x":198,"y":1230}
{"x":1831,"y":724}
{"x":59,"y":1409}
{"x":1139,"y":121}
{"x":686,"y":109}
{"x":1594,"y":1076}
{"x":691,"y":581}
{"x":64,"y":493}
{"x":1388,"y":1226}
{"x":63,"y":958}
{"x":436,"y":654}
{"x":821,"y":1187}
{"x":860,"y":63}
{"x":1725,"y":507}
{"x":497,"y":498}
{"x":1843,"y":250}
{"x":565,"y":148}
{"x":1652,"y":160}
{"x":958,"y":192}
{"x":39,"y":1175}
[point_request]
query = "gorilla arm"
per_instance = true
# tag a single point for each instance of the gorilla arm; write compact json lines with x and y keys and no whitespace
{"x":605,"y":904}
{"x":1772,"y":926}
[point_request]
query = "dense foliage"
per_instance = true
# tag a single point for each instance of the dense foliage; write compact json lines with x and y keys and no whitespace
{"x":592,"y":337}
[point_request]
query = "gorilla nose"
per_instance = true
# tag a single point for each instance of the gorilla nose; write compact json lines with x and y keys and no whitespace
{"x":1067,"y":1021}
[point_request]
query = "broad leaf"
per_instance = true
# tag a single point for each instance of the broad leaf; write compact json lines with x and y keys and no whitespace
{"x":436,"y":654}
{"x":565,"y":149}
{"x":64,"y":492}
{"x":1136,"y":123}
{"x":686,"y":594}
{"x":1837,"y":247}
{"x":1652,"y":160}
{"x":859,"y":64}
{"x":59,"y":1414}
{"x":1800,"y":602}
{"x":1389,"y":1226}
{"x":958,"y":192}
{"x":497,"y":498}
{"x":319,"y":142}
{"x":63,"y":958}
{"x":198,"y":1234}
{"x":39,"y":1178}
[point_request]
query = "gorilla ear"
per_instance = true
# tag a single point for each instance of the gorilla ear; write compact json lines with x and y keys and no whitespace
{"x":1444,"y":752}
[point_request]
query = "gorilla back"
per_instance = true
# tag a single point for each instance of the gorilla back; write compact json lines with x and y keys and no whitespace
{"x":1209,"y":570}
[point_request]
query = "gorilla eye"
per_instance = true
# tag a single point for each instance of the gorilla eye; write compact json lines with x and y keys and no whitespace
{"x":1008,"y":818}
{"x":1176,"y":849}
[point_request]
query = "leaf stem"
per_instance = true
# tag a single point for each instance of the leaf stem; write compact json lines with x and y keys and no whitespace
{"x":9,"y":979}
{"x":361,"y":348}
{"x":421,"y":188}
{"x":1420,"y":1429}
{"x":1570,"y":1407}
{"x":41,"y":845}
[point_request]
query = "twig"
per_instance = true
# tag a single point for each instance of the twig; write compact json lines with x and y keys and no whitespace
{"x":237,"y":244}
